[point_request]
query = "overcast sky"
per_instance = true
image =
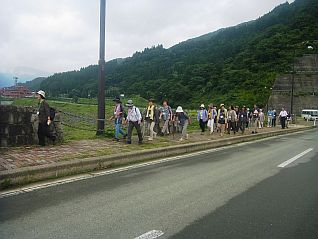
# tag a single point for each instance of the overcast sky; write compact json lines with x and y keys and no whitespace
{"x":60,"y":35}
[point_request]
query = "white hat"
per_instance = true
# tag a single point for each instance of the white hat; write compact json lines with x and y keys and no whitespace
{"x":202,"y":106}
{"x":179,"y":109}
{"x":129,"y":103}
{"x":41,"y":92}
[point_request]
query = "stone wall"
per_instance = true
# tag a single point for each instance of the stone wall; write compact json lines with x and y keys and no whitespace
{"x":19,"y":125}
{"x":305,"y":86}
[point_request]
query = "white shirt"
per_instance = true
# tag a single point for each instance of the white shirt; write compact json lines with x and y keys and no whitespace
{"x":134,"y":114}
{"x":283,"y":113}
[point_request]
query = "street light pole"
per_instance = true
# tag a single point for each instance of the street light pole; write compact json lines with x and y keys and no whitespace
{"x":101,"y":71}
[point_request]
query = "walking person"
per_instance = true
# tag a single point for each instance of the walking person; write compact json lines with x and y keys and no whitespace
{"x":211,"y":117}
{"x":215,"y":119}
{"x":283,"y":116}
{"x":288,"y":119}
{"x":269,"y":118}
{"x":151,"y":119}
{"x":166,"y":115}
{"x":232,"y":118}
{"x":274,"y":118}
{"x":243,"y":118}
{"x":255,"y":119}
{"x":202,"y":118}
{"x":261,"y":119}
{"x":44,"y":118}
{"x":237,"y":124}
{"x":118,"y":117}
{"x":183,"y":120}
{"x":134,"y":120}
{"x":222,"y":119}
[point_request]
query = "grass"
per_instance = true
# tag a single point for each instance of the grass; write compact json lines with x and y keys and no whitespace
{"x":88,"y":108}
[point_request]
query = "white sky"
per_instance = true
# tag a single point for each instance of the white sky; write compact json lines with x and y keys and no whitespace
{"x":59,"y":35}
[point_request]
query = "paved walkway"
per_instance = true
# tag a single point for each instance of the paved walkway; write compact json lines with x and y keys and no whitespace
{"x":17,"y":157}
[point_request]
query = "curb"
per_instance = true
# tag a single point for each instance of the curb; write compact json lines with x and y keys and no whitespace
{"x":26,"y":175}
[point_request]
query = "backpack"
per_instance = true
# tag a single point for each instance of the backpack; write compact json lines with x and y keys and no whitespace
{"x":52,"y":113}
{"x":124,"y":114}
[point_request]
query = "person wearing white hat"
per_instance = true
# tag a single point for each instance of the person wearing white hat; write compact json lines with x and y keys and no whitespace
{"x":211,"y":116}
{"x":183,"y":120}
{"x":202,"y":118}
{"x":222,"y":119}
{"x":44,"y":117}
{"x":134,"y":120}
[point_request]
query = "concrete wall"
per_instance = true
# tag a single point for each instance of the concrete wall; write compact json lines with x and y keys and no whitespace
{"x":305,"y":86}
{"x":19,"y":125}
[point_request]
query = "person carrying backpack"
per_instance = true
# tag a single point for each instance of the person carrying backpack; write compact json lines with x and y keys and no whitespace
{"x":44,"y":118}
{"x":151,"y":118}
{"x":232,"y":118}
{"x":134,"y":120}
{"x":243,"y":118}
{"x":202,"y":118}
{"x":222,"y":119}
{"x":211,"y":117}
{"x":118,"y":117}
{"x":255,"y":119}
{"x":183,"y":120}
{"x":274,"y":118}
{"x":166,"y":115}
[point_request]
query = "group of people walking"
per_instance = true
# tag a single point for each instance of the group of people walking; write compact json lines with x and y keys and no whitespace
{"x":235,"y":119}
{"x":148,"y":121}
{"x":154,"y":120}
{"x":163,"y":120}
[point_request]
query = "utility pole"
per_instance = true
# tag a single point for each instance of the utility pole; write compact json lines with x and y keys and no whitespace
{"x":101,"y":71}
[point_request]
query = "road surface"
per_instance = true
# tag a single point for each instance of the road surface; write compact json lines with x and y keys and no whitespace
{"x":265,"y":189}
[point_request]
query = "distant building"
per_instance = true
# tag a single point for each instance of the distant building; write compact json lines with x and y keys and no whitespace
{"x":15,"y":92}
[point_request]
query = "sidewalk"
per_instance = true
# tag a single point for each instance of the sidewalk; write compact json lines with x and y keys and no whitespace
{"x":19,"y":157}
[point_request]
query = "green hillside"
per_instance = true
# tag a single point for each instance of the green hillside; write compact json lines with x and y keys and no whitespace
{"x":233,"y":65}
{"x":34,"y":84}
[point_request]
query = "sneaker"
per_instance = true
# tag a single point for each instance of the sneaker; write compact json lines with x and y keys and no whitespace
{"x":150,"y":139}
{"x":181,"y":139}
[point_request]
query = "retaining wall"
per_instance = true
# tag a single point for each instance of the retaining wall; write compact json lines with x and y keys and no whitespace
{"x":19,"y":126}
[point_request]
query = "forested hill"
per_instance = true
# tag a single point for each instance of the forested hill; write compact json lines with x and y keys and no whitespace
{"x":233,"y":65}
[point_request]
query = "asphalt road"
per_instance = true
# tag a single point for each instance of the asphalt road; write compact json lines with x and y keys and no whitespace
{"x":236,"y":192}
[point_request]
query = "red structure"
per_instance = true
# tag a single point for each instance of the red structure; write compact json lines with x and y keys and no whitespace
{"x":15,"y":92}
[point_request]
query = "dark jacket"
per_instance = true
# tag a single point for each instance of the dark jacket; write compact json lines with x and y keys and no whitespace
{"x":182,"y":117}
{"x":243,"y":116}
{"x":44,"y":112}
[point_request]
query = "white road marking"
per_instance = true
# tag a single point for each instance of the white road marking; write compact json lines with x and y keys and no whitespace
{"x":151,"y":235}
{"x":75,"y":178}
{"x":289,"y":161}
